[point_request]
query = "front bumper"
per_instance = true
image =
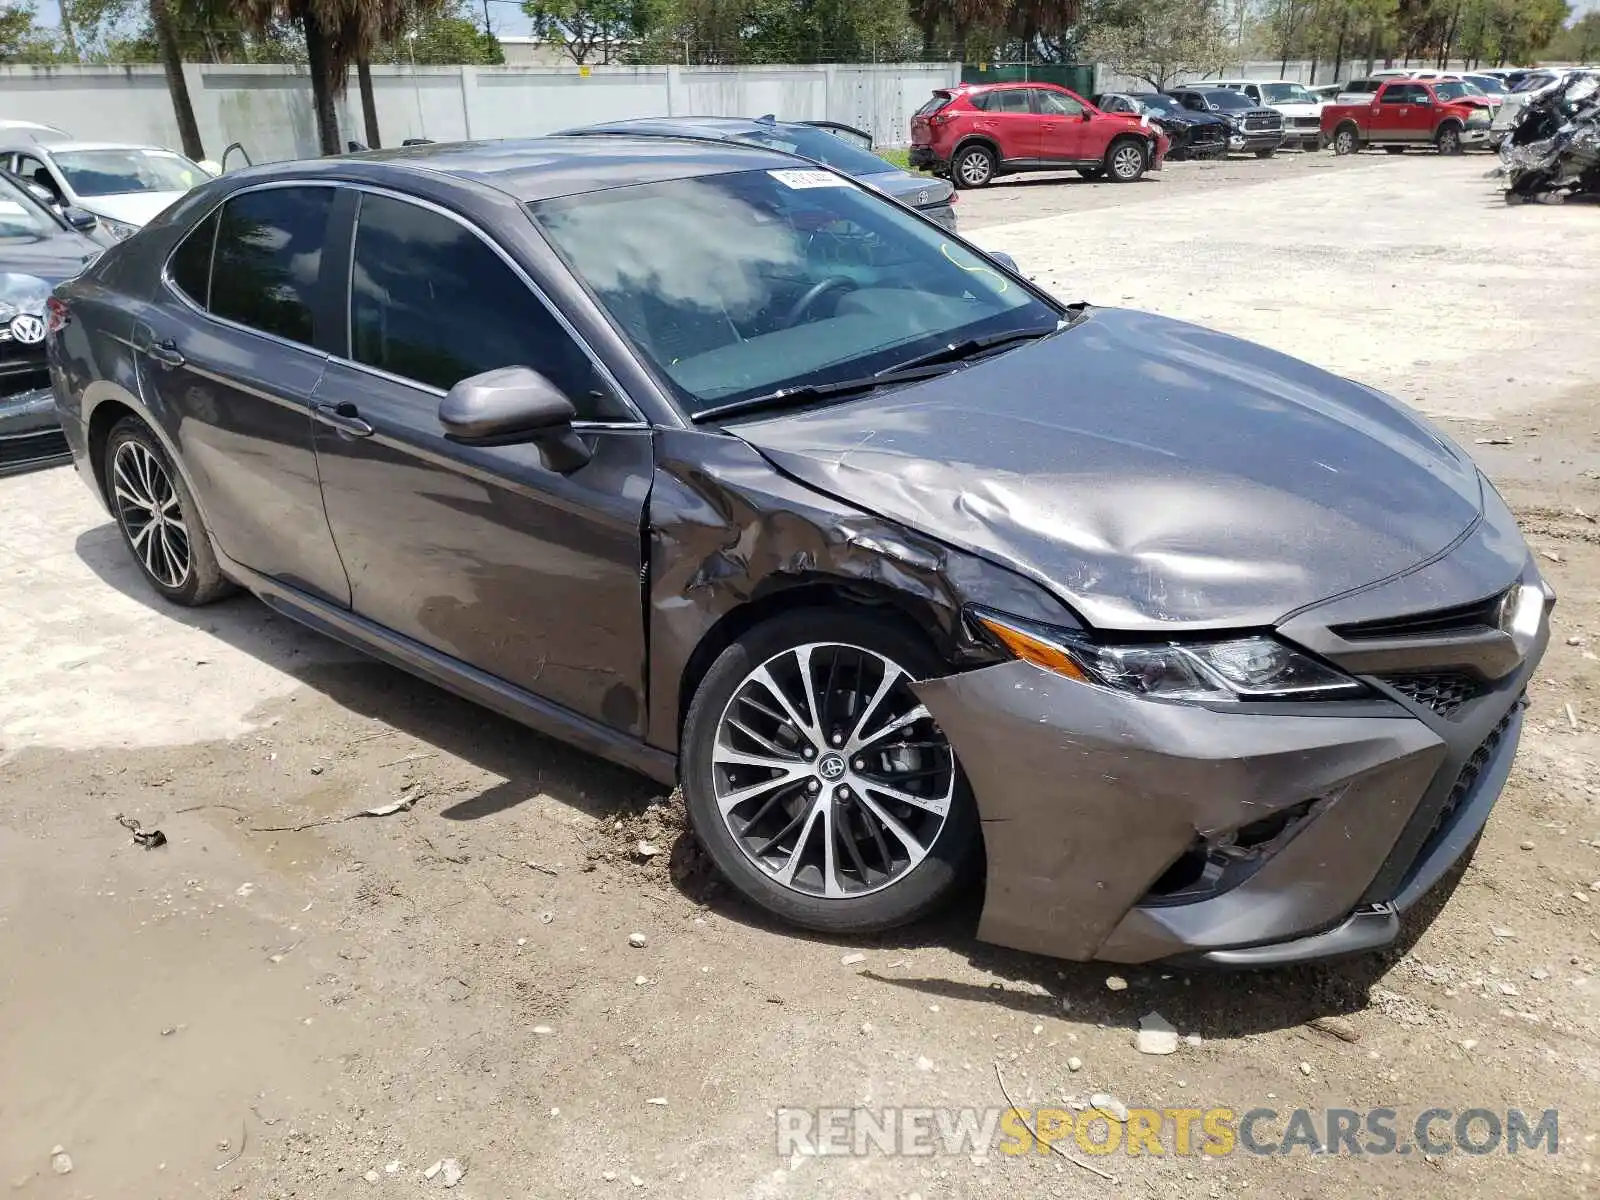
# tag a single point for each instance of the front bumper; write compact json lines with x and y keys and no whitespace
{"x":1087,"y":796}
{"x":30,"y":434}
{"x":1475,"y":135}
{"x":1251,"y":142}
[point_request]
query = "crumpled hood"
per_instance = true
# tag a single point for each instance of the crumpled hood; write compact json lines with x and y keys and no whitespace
{"x":136,"y":208}
{"x":1149,"y":472}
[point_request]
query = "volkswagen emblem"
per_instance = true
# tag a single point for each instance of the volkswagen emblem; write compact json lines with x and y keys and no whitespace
{"x":27,"y":329}
{"x":831,"y":767}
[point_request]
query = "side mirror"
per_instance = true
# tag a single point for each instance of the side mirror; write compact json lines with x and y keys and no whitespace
{"x":513,"y":405}
{"x":80,"y":219}
{"x":1006,"y":261}
{"x":1087,"y":115}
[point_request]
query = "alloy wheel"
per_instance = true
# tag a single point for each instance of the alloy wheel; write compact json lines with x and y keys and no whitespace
{"x":1345,"y":142}
{"x":1449,"y":142}
{"x":974,"y":168}
{"x":1127,"y":162}
{"x":151,"y":516}
{"x":830,"y":775}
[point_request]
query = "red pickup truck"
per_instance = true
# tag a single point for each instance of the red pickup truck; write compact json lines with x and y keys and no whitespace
{"x":1404,"y":113}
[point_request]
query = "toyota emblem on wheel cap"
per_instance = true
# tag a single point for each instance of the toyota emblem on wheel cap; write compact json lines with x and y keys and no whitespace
{"x":27,"y":329}
{"x":831,"y":767}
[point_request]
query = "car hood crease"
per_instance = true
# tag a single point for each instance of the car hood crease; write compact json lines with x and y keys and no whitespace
{"x":1152,"y":474}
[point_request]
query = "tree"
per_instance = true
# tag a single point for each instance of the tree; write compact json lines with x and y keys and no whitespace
{"x":177,"y":85}
{"x":1576,"y":43}
{"x":1158,"y":41}
{"x":21,"y":38}
{"x":589,"y":30}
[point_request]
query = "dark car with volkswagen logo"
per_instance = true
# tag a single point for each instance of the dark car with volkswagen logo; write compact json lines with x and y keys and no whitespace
{"x":38,"y":249}
{"x":933,"y":198}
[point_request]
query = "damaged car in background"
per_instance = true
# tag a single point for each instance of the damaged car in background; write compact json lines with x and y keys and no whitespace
{"x":39,"y":247}
{"x":706,"y":459}
{"x":1191,"y":134}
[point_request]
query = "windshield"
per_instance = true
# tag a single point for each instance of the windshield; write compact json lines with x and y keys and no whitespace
{"x":1532,"y":83}
{"x":1286,"y":93}
{"x":1487,"y":84}
{"x":737,"y":285}
{"x":1228,"y":101}
{"x":1153,"y":105}
{"x":818,"y":145}
{"x":23,"y":216}
{"x":1454,"y":90}
{"x":115,"y":172}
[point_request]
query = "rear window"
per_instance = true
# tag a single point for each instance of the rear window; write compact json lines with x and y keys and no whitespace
{"x":932,"y":106}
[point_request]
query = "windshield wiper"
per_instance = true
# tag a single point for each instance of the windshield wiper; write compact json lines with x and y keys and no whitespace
{"x":789,"y":397}
{"x":957,"y":351}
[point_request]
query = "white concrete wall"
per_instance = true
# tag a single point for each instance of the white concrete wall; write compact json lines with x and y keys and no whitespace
{"x":268,"y":108}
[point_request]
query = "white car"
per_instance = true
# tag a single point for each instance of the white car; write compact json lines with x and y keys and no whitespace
{"x":1302,"y":111}
{"x":123,"y":185}
{"x":32,"y":131}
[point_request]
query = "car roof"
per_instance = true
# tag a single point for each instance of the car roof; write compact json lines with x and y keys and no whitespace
{"x":59,"y":147}
{"x":688,"y":126}
{"x":544,"y":167}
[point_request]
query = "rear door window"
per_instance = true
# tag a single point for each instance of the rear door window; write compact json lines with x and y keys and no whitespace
{"x":189,"y":269}
{"x":268,"y":259}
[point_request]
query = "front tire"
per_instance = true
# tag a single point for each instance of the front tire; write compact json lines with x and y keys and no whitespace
{"x":1449,"y":140}
{"x":1346,"y":140}
{"x":159,"y":520}
{"x":974,"y":167}
{"x":817,"y":781}
{"x":1125,"y":161}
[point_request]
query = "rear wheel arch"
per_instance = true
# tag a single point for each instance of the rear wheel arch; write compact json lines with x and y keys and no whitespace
{"x":978,"y":139}
{"x":102,"y":420}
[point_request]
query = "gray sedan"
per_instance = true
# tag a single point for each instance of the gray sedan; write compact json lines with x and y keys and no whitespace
{"x":718,"y":464}
{"x":933,"y":198}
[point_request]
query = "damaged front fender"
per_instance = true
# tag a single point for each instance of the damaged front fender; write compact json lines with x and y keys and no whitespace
{"x":727,"y":531}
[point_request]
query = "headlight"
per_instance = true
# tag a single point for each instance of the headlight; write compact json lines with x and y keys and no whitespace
{"x":1251,"y":668}
{"x":118,"y":229}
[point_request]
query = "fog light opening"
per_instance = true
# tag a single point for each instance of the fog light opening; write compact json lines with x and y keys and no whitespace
{"x":1214,"y":863}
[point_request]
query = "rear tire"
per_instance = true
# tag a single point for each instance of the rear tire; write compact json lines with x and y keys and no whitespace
{"x":773,"y":844}
{"x":159,"y":520}
{"x":973,"y":167}
{"x":1125,"y":161}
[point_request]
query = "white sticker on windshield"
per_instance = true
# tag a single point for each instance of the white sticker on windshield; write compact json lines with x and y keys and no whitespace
{"x":10,"y":208}
{"x":807,"y":179}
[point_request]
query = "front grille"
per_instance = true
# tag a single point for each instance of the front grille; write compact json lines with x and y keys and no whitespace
{"x":17,"y":359}
{"x":1307,"y":123}
{"x":1469,"y":775}
{"x":32,"y":447}
{"x":1204,"y":135}
{"x":1463,"y":618}
{"x":1443,"y":691}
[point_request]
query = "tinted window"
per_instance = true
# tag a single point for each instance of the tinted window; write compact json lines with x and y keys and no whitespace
{"x":1396,"y":93}
{"x":1057,"y":104}
{"x":430,"y":301}
{"x":1011,"y":100}
{"x":819,"y":145}
{"x":933,"y":106}
{"x":190,"y":268}
{"x":1229,"y":101}
{"x":269,"y":250}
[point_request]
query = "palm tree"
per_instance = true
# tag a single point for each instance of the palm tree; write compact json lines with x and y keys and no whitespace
{"x":338,"y":33}
{"x":177,"y":84}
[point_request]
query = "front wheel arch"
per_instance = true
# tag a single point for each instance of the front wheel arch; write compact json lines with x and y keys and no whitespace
{"x":794,"y":593}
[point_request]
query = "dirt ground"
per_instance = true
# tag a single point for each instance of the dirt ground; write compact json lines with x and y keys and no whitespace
{"x":290,"y":999}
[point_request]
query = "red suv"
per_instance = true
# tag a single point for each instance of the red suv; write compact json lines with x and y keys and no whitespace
{"x":973,"y":133}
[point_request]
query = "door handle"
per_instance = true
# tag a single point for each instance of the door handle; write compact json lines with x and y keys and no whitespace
{"x":343,"y":417}
{"x":165,"y":352}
